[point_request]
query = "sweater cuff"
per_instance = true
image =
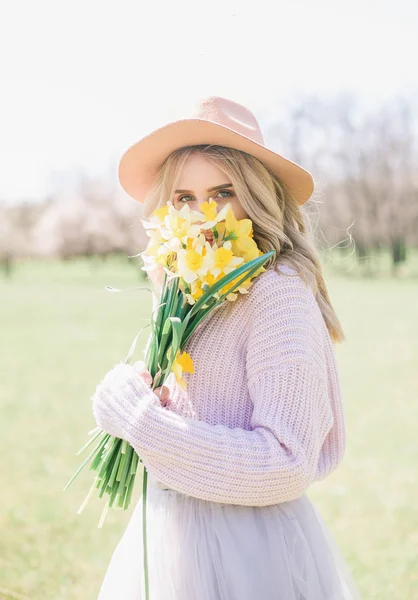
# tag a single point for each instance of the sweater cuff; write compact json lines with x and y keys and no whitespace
{"x":136,"y":408}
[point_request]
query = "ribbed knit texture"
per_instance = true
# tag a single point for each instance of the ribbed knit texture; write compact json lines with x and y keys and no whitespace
{"x":262,"y":417}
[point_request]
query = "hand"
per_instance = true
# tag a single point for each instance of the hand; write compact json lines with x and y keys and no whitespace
{"x":119,"y":400}
{"x":163,"y":392}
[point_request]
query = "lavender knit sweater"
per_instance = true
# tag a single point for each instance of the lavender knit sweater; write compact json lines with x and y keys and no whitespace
{"x":262,"y":417}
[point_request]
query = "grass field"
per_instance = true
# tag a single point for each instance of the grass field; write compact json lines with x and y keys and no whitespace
{"x":61,"y":331}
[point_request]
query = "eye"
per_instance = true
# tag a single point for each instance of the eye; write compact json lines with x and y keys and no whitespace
{"x":180,"y":198}
{"x":229,"y":194}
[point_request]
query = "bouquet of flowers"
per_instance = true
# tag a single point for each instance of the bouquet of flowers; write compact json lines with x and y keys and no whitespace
{"x":204,"y":259}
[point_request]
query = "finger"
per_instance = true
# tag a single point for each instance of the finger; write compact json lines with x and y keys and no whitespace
{"x":162,"y":391}
{"x":142,"y":370}
{"x":146,"y":377}
{"x":164,"y":401}
{"x":163,"y":394}
{"x":140,"y":367}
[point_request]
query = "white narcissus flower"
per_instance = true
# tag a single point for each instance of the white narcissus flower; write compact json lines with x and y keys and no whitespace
{"x":154,"y":256}
{"x":153,"y":231}
{"x":195,"y":261}
{"x":209,"y":211}
{"x":225,"y":261}
{"x":178,"y":225}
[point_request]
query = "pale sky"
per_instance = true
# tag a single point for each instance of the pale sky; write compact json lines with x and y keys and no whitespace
{"x":82,"y":80}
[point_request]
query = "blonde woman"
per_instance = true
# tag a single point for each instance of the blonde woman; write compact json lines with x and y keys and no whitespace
{"x":230,"y":460}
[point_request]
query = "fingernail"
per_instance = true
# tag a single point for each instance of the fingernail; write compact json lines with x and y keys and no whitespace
{"x":147,"y":378}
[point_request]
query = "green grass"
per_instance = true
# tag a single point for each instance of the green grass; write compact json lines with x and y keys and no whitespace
{"x":60,"y":333}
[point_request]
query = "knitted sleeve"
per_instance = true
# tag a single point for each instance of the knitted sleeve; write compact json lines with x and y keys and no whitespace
{"x":279,"y":457}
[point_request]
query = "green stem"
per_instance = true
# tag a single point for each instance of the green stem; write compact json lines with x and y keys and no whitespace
{"x":91,"y":440}
{"x":144,"y":531}
{"x":97,"y":449}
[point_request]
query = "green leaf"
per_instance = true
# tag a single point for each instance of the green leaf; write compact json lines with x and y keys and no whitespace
{"x":126,"y":468}
{"x":109,"y":478}
{"x":165,"y":338}
{"x":134,"y":464}
{"x":243,"y":269}
{"x":129,"y":492}
{"x":108,"y":458}
{"x":91,"y":440}
{"x":178,"y":330}
{"x":251,"y":266}
{"x":97,"y":450}
{"x":132,"y":348}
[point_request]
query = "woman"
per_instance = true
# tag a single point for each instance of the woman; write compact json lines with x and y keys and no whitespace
{"x":230,"y":460}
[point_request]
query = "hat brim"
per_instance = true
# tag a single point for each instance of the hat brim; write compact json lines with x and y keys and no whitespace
{"x":139,"y":165}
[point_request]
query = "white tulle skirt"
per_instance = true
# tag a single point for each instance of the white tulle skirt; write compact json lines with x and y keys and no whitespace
{"x":200,"y":550}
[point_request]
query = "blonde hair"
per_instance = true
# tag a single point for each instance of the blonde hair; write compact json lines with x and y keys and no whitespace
{"x":279,"y":223}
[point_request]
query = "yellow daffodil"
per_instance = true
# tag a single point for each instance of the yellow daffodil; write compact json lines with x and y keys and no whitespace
{"x":176,"y":227}
{"x":195,"y":260}
{"x":225,"y":261}
{"x":210,"y":279}
{"x":196,"y":292}
{"x":153,"y":225}
{"x":233,"y":295}
{"x":241,"y":233}
{"x":160,"y":213}
{"x":182,"y":363}
{"x":153,"y":231}
{"x":209,"y":209}
{"x":212,"y":217}
{"x":156,"y":256}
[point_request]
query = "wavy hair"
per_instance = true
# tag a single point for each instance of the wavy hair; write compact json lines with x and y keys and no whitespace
{"x":279,"y":223}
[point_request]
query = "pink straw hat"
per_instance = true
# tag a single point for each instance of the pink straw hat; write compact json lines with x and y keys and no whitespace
{"x":217,"y":121}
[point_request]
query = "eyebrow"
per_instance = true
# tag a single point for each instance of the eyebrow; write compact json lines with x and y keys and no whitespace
{"x":213,"y":189}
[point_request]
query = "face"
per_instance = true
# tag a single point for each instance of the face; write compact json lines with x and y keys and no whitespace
{"x":200,"y":180}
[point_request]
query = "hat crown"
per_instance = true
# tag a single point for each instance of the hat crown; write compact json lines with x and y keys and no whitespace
{"x":212,"y":121}
{"x":230,"y":114}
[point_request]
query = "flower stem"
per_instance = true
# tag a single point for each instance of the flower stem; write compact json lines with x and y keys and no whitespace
{"x":144,"y":531}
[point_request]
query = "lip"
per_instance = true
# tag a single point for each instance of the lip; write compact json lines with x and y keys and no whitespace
{"x":209,"y":237}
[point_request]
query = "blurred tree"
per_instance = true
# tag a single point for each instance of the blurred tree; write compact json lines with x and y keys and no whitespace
{"x":364,"y":166}
{"x":17,"y":223}
{"x":92,"y":220}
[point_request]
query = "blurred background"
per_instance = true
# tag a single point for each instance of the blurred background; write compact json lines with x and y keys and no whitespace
{"x":334,"y":87}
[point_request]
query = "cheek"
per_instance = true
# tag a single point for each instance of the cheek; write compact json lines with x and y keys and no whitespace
{"x":238,"y":210}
